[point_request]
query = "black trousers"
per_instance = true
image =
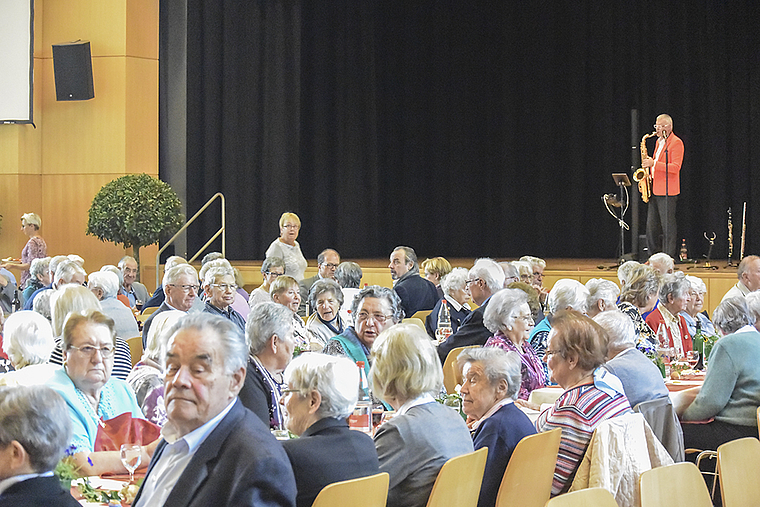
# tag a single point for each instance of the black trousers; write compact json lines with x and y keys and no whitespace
{"x":656,"y":220}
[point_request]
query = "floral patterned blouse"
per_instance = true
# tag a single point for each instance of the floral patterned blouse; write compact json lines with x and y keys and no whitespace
{"x":646,"y":341}
{"x":35,"y":248}
{"x":531,"y":370}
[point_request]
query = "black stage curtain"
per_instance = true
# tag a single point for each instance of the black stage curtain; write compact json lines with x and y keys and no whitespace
{"x":464,"y":129}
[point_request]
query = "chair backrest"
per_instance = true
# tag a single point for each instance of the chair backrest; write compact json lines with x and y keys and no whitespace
{"x":527,"y":481}
{"x":661,"y":417}
{"x":369,"y":491}
{"x":149,"y":311}
{"x":738,"y":463}
{"x":458,"y":482}
{"x":758,"y":418}
{"x":135,"y":348}
{"x":451,"y":374}
{"x":680,"y":483}
{"x":591,"y":497}
{"x":422,"y":315}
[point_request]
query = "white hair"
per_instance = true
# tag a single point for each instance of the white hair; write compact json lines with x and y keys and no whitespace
{"x":497,"y":364}
{"x":524,"y":268}
{"x":662,"y":261}
{"x":110,"y":268}
{"x":533,"y":261}
{"x":336,"y":379}
{"x":215,"y":263}
{"x":173,"y":274}
{"x":753,"y":304}
{"x":619,"y":327}
{"x":567,"y":293}
{"x":697,"y":284}
{"x":599,"y":288}
{"x":27,"y":338}
{"x":158,"y":334}
{"x":210,"y":274}
{"x":501,"y":309}
{"x":266,"y":320}
{"x":491,"y":273}
{"x":104,"y":280}
{"x":453,"y":281}
{"x":624,"y":271}
{"x":66,"y":270}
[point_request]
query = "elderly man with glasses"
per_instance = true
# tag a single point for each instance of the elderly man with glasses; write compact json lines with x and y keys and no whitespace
{"x":327,"y":263}
{"x":180,"y":285}
{"x":219,"y":286}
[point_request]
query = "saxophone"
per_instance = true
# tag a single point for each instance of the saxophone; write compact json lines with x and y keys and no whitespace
{"x":642,"y":174}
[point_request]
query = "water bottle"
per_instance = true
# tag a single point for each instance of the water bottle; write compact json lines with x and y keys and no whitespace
{"x":443,"y":330}
{"x":361,"y":418}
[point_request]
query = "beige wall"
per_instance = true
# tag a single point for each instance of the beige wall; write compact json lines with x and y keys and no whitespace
{"x":77,"y":147}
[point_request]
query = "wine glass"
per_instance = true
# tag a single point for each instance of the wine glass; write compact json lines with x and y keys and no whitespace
{"x":692,"y":357}
{"x":131,"y":456}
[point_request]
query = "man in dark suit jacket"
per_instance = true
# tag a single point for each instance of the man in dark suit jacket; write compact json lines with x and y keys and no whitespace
{"x":214,"y":451}
{"x":485,"y":279}
{"x":180,"y":285}
{"x":327,"y":263}
{"x":415,"y":292}
{"x":36,"y":430}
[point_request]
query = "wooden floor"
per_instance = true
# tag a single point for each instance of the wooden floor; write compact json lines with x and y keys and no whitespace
{"x":718,"y":279}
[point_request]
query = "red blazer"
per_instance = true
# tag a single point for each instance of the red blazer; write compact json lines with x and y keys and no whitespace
{"x":674,"y":146}
{"x":654,"y":319}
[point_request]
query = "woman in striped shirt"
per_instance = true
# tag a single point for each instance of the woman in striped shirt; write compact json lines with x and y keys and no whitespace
{"x":576,"y":350}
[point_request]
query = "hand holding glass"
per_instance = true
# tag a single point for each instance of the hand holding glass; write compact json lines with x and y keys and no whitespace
{"x":131,"y":456}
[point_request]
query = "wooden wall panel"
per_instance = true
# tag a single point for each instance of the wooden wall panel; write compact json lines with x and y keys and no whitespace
{"x":103,"y":23}
{"x":141,"y":116}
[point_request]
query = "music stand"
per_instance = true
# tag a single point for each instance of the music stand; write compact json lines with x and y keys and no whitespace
{"x":622,"y":181}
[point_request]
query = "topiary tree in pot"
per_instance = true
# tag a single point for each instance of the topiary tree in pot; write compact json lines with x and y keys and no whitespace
{"x":135,"y":210}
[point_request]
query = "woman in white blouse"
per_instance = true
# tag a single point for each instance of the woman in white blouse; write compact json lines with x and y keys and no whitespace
{"x":287,"y":248}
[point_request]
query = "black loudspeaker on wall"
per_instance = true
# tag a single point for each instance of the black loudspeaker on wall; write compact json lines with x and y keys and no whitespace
{"x":72,"y":64}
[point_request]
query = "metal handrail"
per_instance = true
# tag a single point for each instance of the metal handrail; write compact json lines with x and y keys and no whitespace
{"x":222,"y":230}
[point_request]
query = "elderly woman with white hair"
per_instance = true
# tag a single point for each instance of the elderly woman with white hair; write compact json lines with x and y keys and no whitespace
{"x":693,"y":313}
{"x":509,"y":318}
{"x":269,"y":333}
{"x":674,"y":297}
{"x":326,"y":297}
{"x":147,"y":376}
{"x":638,"y":297}
{"x":642,"y":380}
{"x":39,"y":277}
{"x":105,"y":286}
{"x":731,"y":391}
{"x":602,"y":296}
{"x":28,"y":343}
{"x":455,"y":296}
{"x":221,"y":290}
{"x":349,"y":276}
{"x":566,"y":294}
{"x":753,"y":305}
{"x":492,"y":380}
{"x":321,"y":393}
{"x":424,"y":434}
{"x":75,"y":299}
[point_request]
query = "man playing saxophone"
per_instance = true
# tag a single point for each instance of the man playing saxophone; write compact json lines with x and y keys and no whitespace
{"x":667,"y":159}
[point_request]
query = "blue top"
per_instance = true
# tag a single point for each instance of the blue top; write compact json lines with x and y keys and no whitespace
{"x":642,"y":380}
{"x":116,"y":397}
{"x":731,"y":392}
{"x":501,"y":433}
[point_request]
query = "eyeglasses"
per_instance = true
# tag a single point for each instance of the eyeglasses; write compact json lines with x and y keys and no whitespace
{"x":291,"y":226}
{"x":225,"y":287}
{"x":378,"y":317}
{"x":269,"y":273}
{"x":286,"y":392}
{"x":552,"y":353}
{"x":89,"y":351}
{"x":185,"y":288}
{"x":330,"y":265}
{"x":525,"y":318}
{"x":472,"y":280}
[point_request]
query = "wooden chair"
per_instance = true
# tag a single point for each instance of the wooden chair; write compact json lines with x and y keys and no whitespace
{"x":680,"y":483}
{"x":415,"y":321}
{"x":738,"y":464}
{"x":422,"y":315}
{"x":148,"y":311}
{"x":758,"y":418}
{"x":135,"y":348}
{"x":528,"y":478}
{"x":369,"y":491}
{"x":458,"y":482}
{"x":451,"y":374}
{"x":591,"y":497}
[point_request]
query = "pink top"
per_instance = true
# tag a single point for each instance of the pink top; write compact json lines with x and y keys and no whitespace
{"x":531,"y":370}
{"x":35,"y":248}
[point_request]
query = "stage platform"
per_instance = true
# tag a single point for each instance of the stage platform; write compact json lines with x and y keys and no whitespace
{"x":718,"y":279}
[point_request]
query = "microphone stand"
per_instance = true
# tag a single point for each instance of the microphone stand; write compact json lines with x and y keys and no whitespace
{"x":667,"y":195}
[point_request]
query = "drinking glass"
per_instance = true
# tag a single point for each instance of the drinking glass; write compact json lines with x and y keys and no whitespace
{"x":131,"y":455}
{"x":692,"y":357}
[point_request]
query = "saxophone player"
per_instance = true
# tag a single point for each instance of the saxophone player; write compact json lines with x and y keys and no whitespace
{"x":667,"y":159}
